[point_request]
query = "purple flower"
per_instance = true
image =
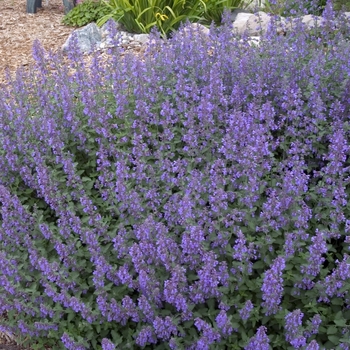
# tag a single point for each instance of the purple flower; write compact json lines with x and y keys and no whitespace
{"x":208,"y":276}
{"x":209,"y":333}
{"x":130,"y":309}
{"x":70,"y":344}
{"x":146,"y":336}
{"x":272,"y":287}
{"x":313,"y":346}
{"x":107,"y":344}
{"x":315,"y":323}
{"x":223,"y":323}
{"x":293,"y":329}
{"x":146,"y":309}
{"x":317,"y":249}
{"x":192,"y":245}
{"x":246,"y":310}
{"x":335,"y":281}
{"x":260,"y":341}
{"x":164,"y":328}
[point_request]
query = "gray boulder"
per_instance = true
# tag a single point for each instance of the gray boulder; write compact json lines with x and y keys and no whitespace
{"x":141,"y":38}
{"x":197,"y":28}
{"x":240,"y":19}
{"x":347,"y":15}
{"x":87,"y":38}
{"x":312,"y":21}
{"x":236,"y":12}
{"x":257,"y":24}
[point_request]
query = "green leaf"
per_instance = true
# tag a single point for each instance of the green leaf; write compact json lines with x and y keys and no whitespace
{"x":332,"y":330}
{"x":259,"y":265}
{"x":70,"y":317}
{"x":340,"y":323}
{"x":334,"y":339}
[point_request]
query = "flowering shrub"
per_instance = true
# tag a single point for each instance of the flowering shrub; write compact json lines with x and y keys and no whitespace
{"x":193,"y":200}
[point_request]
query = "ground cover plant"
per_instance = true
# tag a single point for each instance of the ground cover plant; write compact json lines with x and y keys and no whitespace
{"x":194,"y":200}
{"x":86,"y":12}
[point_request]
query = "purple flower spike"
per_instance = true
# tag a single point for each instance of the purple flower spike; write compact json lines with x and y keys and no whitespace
{"x":260,"y":341}
{"x":272,"y":287}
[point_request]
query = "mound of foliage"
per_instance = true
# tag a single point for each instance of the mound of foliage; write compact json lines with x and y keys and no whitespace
{"x":196,"y":199}
{"x":86,"y":12}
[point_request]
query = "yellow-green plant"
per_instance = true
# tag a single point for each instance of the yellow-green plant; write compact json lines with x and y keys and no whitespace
{"x":139,"y":16}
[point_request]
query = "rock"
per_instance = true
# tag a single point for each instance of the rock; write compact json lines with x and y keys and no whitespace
{"x":240,"y":21}
{"x":347,"y":15}
{"x":236,"y":12}
{"x":197,"y":27}
{"x":252,"y":41}
{"x":312,"y":21}
{"x":87,"y":38}
{"x":141,"y":38}
{"x":255,"y":25}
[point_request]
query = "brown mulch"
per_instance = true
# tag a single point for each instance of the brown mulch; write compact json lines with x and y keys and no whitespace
{"x":18,"y":30}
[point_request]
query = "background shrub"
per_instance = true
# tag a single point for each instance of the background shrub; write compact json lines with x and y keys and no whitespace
{"x":140,"y":16}
{"x":193,"y":200}
{"x":341,"y":5}
{"x":85,"y":13}
{"x":288,"y":8}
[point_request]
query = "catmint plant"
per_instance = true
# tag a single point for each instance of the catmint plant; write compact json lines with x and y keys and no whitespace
{"x":196,"y":198}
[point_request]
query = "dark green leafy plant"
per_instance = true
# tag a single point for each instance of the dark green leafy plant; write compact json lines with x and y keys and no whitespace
{"x":85,"y":13}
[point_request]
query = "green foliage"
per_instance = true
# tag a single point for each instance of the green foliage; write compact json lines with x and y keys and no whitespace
{"x":341,"y":4}
{"x":316,"y":7}
{"x":85,"y":13}
{"x":140,"y":16}
{"x":291,"y":7}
